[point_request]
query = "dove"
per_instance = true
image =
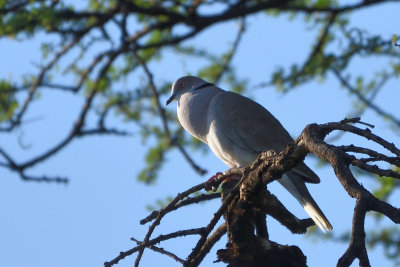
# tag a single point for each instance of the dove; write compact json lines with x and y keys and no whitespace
{"x":237,"y":129}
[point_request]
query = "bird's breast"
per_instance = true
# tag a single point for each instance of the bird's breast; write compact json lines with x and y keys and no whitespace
{"x":192,"y":115}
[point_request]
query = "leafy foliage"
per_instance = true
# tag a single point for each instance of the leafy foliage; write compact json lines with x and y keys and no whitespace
{"x":8,"y":103}
{"x":101,"y":43}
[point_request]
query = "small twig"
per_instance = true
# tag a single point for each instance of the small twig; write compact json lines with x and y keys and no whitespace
{"x":187,"y":201}
{"x":38,"y":80}
{"x":363,"y":98}
{"x":164,"y":120}
{"x":374,"y":156}
{"x":208,"y":244}
{"x":373,"y":168}
{"x":361,"y":110}
{"x":356,"y":120}
{"x":161,"y":251}
{"x":366,"y":133}
{"x":149,"y":243}
{"x":44,"y":178}
{"x":317,"y":49}
{"x":76,"y":131}
{"x":233,"y":50}
{"x":12,"y":165}
{"x":79,"y":123}
{"x":162,"y":213}
{"x":193,"y":259}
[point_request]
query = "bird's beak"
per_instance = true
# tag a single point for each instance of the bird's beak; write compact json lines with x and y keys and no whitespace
{"x":170,"y":99}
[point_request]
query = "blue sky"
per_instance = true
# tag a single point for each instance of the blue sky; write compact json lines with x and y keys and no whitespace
{"x":91,"y":219}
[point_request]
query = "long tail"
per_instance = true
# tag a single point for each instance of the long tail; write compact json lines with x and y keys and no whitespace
{"x":299,"y":190}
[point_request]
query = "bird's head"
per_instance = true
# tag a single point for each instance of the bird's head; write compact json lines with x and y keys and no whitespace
{"x":186,"y":84}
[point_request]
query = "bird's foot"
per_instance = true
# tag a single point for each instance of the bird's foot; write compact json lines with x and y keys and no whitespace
{"x":213,"y":182}
{"x":214,"y":177}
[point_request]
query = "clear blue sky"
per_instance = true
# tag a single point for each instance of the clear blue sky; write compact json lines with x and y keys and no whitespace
{"x":90,"y":220}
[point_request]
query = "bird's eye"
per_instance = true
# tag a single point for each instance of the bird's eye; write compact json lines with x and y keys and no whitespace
{"x":181,"y":85}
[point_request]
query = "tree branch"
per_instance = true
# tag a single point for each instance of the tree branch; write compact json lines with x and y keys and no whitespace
{"x":363,"y":99}
{"x":245,"y":202}
{"x":161,"y":112}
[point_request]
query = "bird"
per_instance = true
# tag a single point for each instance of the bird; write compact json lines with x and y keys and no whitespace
{"x":237,"y":129}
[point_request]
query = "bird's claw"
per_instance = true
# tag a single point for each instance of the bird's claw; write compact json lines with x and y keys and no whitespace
{"x":213,"y":182}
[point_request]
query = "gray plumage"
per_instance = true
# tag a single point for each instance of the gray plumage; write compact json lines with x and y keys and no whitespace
{"x":237,"y":130}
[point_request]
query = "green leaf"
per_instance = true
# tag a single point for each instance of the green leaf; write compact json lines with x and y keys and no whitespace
{"x":160,"y":204}
{"x":386,"y":186}
{"x":154,"y":159}
{"x":322,"y":3}
{"x":8,"y":103}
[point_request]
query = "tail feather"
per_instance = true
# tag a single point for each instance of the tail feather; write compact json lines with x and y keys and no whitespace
{"x":318,"y":218}
{"x":300,"y":192}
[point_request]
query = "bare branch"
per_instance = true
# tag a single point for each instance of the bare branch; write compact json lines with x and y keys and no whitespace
{"x":245,"y":202}
{"x":374,"y":156}
{"x":17,"y":120}
{"x":209,"y":243}
{"x":232,"y":52}
{"x":162,"y":213}
{"x":161,"y":251}
{"x":161,"y":111}
{"x":150,"y":243}
{"x":312,"y":138}
{"x":363,"y":99}
{"x":185,"y":202}
{"x":357,"y":247}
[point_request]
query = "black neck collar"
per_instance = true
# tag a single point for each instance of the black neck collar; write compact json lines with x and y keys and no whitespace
{"x":203,"y":86}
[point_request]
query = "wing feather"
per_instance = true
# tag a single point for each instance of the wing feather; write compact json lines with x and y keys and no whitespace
{"x":253,"y":129}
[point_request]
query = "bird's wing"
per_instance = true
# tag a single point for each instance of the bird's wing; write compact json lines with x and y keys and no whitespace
{"x":251,"y":127}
